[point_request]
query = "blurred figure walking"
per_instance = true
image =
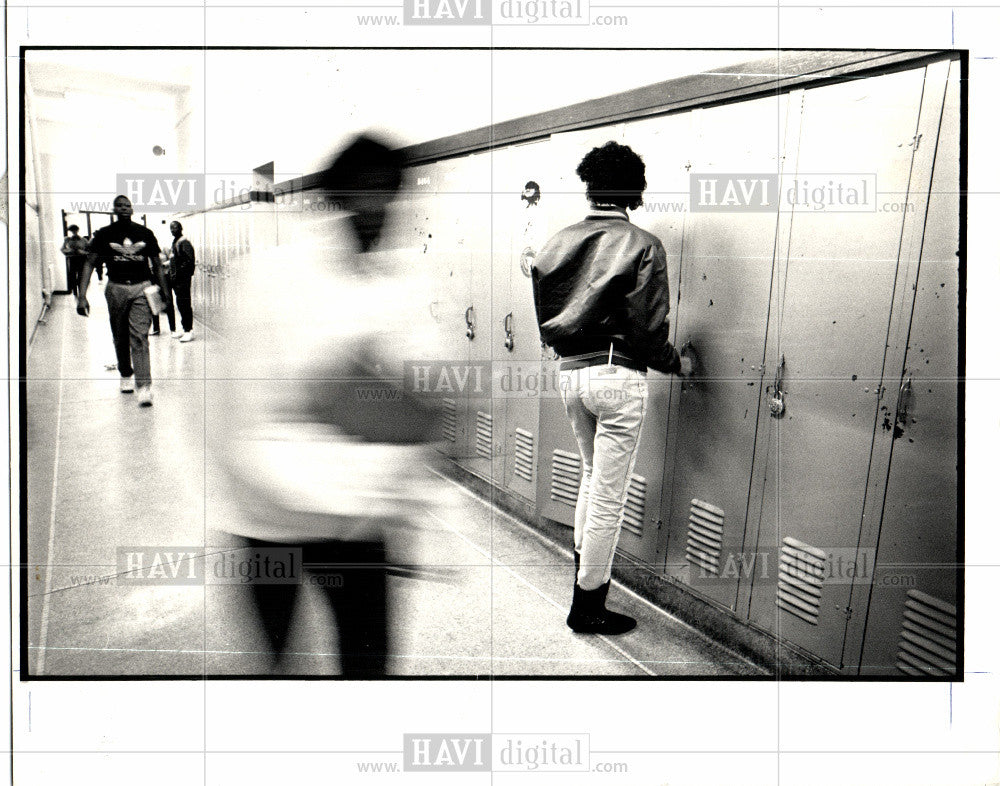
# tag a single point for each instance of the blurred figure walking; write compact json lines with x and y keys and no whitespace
{"x":324,"y":449}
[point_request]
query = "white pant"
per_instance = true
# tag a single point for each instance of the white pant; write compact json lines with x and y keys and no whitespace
{"x":606,"y":405}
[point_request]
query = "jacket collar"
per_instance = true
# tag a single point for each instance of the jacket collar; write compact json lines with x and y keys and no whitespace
{"x":606,"y":211}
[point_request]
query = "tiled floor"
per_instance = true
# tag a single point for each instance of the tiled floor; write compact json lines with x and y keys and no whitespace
{"x":104,"y":474}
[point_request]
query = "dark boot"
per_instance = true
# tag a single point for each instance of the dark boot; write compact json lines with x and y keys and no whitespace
{"x":588,"y":615}
{"x":576,"y":560}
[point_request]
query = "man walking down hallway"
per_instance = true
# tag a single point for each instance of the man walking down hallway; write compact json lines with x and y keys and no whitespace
{"x":131,"y":254}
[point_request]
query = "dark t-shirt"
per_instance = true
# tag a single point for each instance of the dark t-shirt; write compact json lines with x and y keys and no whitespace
{"x":127,"y":248}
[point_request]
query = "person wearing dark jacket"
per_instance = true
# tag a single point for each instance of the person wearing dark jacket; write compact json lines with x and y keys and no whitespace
{"x":181,"y":272}
{"x":601,"y":298}
{"x":74,"y":248}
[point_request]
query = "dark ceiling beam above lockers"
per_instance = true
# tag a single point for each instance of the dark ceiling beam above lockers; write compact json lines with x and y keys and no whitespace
{"x":777,"y":73}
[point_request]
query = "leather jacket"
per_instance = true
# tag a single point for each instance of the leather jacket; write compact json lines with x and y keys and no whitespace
{"x":603,"y":281}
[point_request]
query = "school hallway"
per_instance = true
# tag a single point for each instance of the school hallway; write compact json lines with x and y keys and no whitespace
{"x":476,"y":591}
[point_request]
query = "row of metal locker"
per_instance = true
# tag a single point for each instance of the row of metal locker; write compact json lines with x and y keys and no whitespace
{"x":828,"y":519}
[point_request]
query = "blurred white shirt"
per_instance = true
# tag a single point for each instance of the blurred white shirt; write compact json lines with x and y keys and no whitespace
{"x":304,"y":314}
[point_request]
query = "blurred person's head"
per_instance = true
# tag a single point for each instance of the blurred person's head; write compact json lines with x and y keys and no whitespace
{"x":364,"y":179}
{"x":614,"y":175}
{"x":176,"y":229}
{"x":74,"y":229}
{"x":122,"y":207}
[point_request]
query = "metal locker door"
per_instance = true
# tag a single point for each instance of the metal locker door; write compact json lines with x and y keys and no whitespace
{"x":913,"y":625}
{"x":417,"y":211}
{"x":466,"y":231}
{"x":558,"y":456}
{"x":725,"y":286}
{"x":825,"y":355}
{"x":264,"y":226}
{"x":434,"y":214}
{"x":519,"y":229}
{"x":195,"y":228}
{"x":664,"y":144}
{"x":212,"y":258}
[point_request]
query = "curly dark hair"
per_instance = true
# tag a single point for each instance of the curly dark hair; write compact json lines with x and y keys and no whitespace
{"x":614,"y":174}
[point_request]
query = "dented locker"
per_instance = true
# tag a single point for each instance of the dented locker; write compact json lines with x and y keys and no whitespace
{"x":426,"y":210}
{"x":465,"y":241}
{"x":521,"y":184}
{"x":914,"y":628}
{"x":824,"y":363}
{"x":725,"y":285}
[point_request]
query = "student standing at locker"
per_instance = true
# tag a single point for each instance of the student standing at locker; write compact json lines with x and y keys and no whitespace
{"x":602,"y":300}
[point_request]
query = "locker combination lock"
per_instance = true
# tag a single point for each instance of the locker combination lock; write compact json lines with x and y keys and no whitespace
{"x":508,"y":328}
{"x":777,"y":401}
{"x":470,"y":328}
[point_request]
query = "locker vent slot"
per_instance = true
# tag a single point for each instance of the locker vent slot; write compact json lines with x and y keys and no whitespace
{"x":635,"y":506}
{"x":484,"y":435}
{"x":800,"y":579}
{"x":449,"y":420}
{"x":565,"y":477}
{"x":524,"y":454}
{"x":928,"y":642}
{"x":704,"y":543}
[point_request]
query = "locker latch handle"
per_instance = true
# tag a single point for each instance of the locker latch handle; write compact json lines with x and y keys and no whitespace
{"x":470,"y":327}
{"x":777,"y":402}
{"x":508,"y":328}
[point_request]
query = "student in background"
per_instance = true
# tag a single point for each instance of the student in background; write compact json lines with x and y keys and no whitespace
{"x":171,"y":320}
{"x":182,"y":265}
{"x":132,"y":255}
{"x":74,"y":248}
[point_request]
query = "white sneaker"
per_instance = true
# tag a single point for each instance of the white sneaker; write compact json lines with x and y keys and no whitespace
{"x":188,"y":336}
{"x":146,"y":396}
{"x":177,"y":334}
{"x":127,"y":385}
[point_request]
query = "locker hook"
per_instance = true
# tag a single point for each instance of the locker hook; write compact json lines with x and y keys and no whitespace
{"x":470,"y":327}
{"x":508,"y":326}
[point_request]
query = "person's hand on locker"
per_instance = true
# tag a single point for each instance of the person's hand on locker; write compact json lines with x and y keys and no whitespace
{"x":689,"y":360}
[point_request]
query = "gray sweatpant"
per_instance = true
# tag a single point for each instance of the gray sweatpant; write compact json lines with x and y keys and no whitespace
{"x":130,"y":319}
